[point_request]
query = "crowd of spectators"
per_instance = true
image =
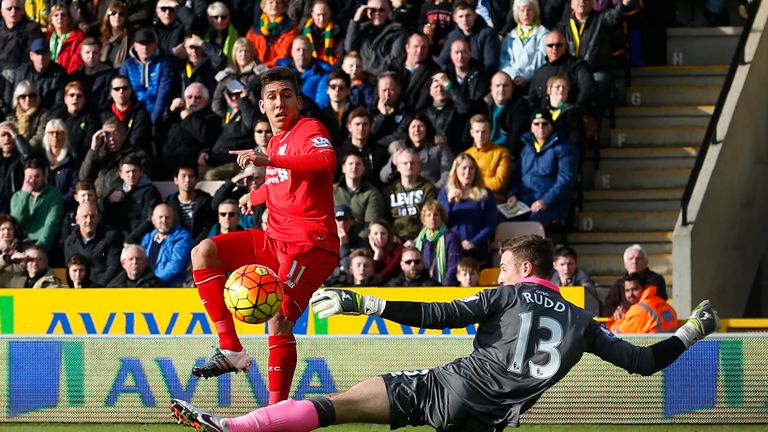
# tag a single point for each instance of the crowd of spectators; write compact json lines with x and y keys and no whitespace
{"x":438,"y":112}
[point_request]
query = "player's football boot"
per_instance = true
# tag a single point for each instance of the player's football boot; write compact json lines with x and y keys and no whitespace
{"x":187,"y":414}
{"x":221,"y":362}
{"x":704,"y":319}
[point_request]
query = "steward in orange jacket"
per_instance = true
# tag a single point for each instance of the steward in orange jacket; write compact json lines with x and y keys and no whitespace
{"x":651,"y":314}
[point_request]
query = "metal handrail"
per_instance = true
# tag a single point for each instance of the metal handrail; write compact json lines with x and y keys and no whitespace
{"x":710,"y":137}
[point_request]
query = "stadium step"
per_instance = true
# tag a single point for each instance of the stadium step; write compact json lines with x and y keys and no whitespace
{"x":657,"y":136}
{"x":635,"y":194}
{"x":672,"y":76}
{"x":617,"y":249}
{"x":624,"y":238}
{"x":701,"y":45}
{"x":631,"y":205}
{"x":656,"y":153}
{"x":627,"y":220}
{"x":613,"y":264}
{"x":645,"y":162}
{"x":672,"y":95}
{"x":641,"y":178}
{"x":663,"y":116}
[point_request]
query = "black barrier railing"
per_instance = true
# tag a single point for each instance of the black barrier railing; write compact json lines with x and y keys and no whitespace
{"x":710,"y":137}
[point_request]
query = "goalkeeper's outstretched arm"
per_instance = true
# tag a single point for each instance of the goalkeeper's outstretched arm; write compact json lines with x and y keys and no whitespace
{"x":331,"y":301}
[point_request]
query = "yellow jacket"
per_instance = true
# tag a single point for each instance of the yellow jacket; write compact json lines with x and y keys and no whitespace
{"x":37,"y":11}
{"x":494,"y":163}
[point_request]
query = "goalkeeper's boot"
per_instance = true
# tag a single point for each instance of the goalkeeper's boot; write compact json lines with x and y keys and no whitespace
{"x":187,"y":414}
{"x":702,"y":322}
{"x":221,"y":362}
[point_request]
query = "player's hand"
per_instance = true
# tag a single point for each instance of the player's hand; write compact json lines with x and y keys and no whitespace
{"x":250,"y":156}
{"x":702,"y":322}
{"x":331,"y":301}
{"x":246,"y":207}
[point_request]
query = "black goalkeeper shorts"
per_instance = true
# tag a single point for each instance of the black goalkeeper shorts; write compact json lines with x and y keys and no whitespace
{"x":417,"y":398}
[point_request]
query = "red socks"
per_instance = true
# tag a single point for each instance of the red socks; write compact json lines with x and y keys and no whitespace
{"x":210,"y":286}
{"x":282,"y":364}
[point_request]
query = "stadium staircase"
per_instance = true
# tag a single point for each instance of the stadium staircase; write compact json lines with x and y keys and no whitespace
{"x":633,"y":191}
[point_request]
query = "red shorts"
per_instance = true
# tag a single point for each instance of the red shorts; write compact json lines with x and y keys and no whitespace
{"x":301,"y":267}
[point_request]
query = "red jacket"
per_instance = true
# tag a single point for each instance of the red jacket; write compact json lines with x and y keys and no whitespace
{"x":652,"y":314}
{"x":69,"y":54}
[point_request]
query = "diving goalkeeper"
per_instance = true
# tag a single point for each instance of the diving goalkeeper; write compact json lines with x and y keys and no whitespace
{"x":527,"y":340}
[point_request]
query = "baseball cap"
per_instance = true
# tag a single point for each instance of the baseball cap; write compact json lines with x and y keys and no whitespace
{"x":342,"y":211}
{"x":235,"y":86}
{"x":542,"y":113}
{"x":145,"y":36}
{"x":39,"y":45}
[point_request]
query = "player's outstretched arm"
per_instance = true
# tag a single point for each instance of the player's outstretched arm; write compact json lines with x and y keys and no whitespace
{"x":332,"y":301}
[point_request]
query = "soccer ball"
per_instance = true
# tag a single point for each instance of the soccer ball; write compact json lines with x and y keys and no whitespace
{"x":253,"y":293}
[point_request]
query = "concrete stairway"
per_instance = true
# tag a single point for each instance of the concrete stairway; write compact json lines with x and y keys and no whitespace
{"x":642,"y":174}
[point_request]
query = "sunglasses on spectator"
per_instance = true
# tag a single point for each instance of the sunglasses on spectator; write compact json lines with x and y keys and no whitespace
{"x":121,"y":88}
{"x":337,"y":87}
{"x":413,"y":261}
{"x":377,"y":10}
{"x":116,"y":13}
{"x":261,"y":131}
{"x":227,"y":214}
{"x":555,"y":45}
{"x":218,"y":17}
{"x":29,"y":96}
{"x":166,"y":9}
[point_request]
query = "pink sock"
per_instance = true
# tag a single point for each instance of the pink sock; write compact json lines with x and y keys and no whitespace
{"x":287,"y":416}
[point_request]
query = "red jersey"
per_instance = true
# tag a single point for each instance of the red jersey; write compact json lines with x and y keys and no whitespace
{"x":298,"y":187}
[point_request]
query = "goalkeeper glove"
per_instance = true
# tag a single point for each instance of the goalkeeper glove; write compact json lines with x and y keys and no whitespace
{"x":703,"y":321}
{"x":331,"y":301}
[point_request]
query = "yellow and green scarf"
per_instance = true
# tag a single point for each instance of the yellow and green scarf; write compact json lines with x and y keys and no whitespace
{"x":270,"y":29}
{"x":328,"y":53}
{"x":439,"y":257}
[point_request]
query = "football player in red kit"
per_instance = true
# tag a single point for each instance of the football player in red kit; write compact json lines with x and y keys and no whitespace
{"x":300,"y":243}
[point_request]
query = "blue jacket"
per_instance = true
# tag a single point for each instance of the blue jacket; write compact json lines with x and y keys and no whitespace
{"x":314,"y":81}
{"x":548,"y":175}
{"x":174,"y":255}
{"x":152,"y":82}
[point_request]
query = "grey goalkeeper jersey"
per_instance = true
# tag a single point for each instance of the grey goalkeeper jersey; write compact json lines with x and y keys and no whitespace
{"x":527,"y":340}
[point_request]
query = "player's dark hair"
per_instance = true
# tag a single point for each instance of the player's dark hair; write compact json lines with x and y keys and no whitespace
{"x":565,"y":251}
{"x":533,"y":248}
{"x":278,"y":74}
{"x":34,"y":163}
{"x":186,"y":166}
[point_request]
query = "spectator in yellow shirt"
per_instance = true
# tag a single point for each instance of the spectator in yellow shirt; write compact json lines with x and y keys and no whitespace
{"x":493,"y":161}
